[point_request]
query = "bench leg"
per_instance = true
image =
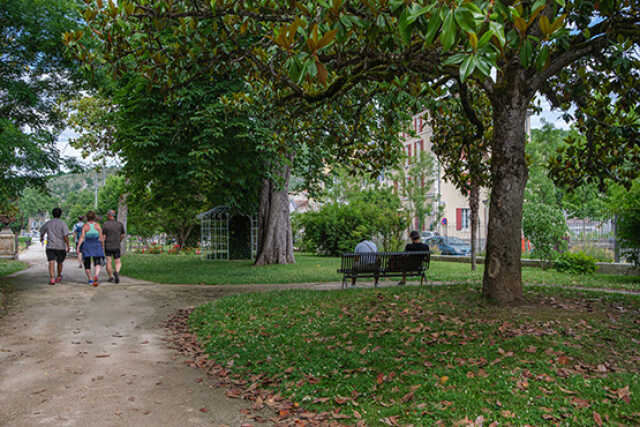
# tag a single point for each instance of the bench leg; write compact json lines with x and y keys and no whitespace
{"x":422,"y":279}
{"x":344,"y":281}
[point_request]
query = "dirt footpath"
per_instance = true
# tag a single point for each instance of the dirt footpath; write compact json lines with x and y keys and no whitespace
{"x":71,"y":355}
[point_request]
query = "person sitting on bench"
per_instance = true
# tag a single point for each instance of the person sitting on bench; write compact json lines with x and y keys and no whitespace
{"x":415,"y":246}
{"x":364,"y":247}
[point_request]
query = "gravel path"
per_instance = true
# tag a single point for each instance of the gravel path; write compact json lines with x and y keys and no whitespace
{"x":71,"y":355}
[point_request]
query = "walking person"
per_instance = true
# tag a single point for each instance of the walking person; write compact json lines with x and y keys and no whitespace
{"x":415,"y":246}
{"x":57,"y":243}
{"x":77,"y":232}
{"x":113,"y":232}
{"x":92,"y":243}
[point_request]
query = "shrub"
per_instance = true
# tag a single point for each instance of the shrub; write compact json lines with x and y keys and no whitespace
{"x":599,"y":254}
{"x":626,"y":205}
{"x":546,"y":227}
{"x":576,"y":262}
{"x":337,"y":228}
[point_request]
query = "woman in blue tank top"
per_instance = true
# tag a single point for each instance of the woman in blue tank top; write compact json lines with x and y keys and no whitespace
{"x":92,"y":242}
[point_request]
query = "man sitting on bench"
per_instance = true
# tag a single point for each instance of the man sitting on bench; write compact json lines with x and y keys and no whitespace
{"x":415,"y":246}
{"x":362,"y":263}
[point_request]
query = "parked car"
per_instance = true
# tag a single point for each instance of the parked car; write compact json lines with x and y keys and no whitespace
{"x":427,"y":235}
{"x":450,"y":245}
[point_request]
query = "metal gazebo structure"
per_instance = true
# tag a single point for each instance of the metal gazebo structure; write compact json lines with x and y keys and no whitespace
{"x":228,"y":234}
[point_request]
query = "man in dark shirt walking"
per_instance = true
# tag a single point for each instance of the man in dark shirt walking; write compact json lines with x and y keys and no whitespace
{"x":415,"y":246}
{"x":113,"y":232}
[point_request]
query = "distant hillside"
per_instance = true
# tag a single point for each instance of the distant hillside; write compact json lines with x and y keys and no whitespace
{"x":63,"y":185}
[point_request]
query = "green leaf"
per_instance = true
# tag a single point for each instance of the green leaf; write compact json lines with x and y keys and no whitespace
{"x":486,"y":38}
{"x":498,"y":31}
{"x":454,"y":59}
{"x":537,"y":5}
{"x":561,"y":3}
{"x":502,"y":9}
{"x":526,"y":52}
{"x":403,"y":27}
{"x":484,"y":65}
{"x":432,"y":29}
{"x":448,"y":34}
{"x":464,"y":18}
{"x":418,"y":13}
{"x":541,"y":60}
{"x":467,"y":67}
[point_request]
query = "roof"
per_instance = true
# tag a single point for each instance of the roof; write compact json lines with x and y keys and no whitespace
{"x":219,"y":211}
{"x":215,"y":212}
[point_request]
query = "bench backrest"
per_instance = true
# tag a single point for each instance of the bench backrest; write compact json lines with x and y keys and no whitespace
{"x":385,"y":262}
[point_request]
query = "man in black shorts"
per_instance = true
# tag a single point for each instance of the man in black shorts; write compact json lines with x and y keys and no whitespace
{"x":113,"y":232}
{"x":57,"y":244}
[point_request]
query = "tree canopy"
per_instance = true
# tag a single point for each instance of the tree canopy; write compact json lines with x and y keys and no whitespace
{"x":34,"y":73}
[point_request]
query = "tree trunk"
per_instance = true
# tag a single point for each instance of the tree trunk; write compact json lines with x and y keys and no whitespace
{"x":183,"y":235}
{"x":502,"y":280}
{"x":474,"y":202}
{"x":123,"y":212}
{"x":275,"y":238}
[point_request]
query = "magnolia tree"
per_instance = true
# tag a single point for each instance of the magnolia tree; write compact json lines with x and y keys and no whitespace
{"x":314,"y":52}
{"x":462,"y":127}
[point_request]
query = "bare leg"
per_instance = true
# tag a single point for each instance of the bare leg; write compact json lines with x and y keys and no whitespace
{"x":118,"y":263}
{"x":88,"y":273}
{"x":60,"y":265}
{"x":79,"y":256}
{"x":52,"y":270}
{"x":110,"y":268}
{"x":97,"y":269}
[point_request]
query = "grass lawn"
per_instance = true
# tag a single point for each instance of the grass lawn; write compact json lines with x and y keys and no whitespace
{"x":310,"y":268}
{"x":400,"y":356}
{"x":9,"y":266}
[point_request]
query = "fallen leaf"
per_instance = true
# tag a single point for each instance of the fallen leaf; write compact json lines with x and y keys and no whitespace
{"x":597,"y":418}
{"x":407,"y":397}
{"x":204,"y":410}
{"x":507,"y":414}
{"x":100,"y":356}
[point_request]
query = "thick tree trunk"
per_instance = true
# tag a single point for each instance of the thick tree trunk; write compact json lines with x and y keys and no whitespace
{"x":275,"y":238}
{"x":502,"y":280}
{"x":123,"y":212}
{"x":474,"y":197}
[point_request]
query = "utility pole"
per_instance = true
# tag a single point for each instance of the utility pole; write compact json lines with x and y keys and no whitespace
{"x":95,"y":188}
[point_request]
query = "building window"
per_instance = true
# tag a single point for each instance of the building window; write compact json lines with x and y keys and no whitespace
{"x":463,"y":219}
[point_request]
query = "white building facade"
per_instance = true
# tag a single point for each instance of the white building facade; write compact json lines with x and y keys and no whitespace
{"x":455,"y":219}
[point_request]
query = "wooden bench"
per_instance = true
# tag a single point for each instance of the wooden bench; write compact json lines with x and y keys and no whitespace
{"x":384,"y":264}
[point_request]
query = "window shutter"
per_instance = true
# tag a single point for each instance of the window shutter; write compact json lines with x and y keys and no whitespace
{"x":458,"y":219}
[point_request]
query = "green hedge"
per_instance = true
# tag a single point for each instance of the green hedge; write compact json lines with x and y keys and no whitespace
{"x":578,"y":263}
